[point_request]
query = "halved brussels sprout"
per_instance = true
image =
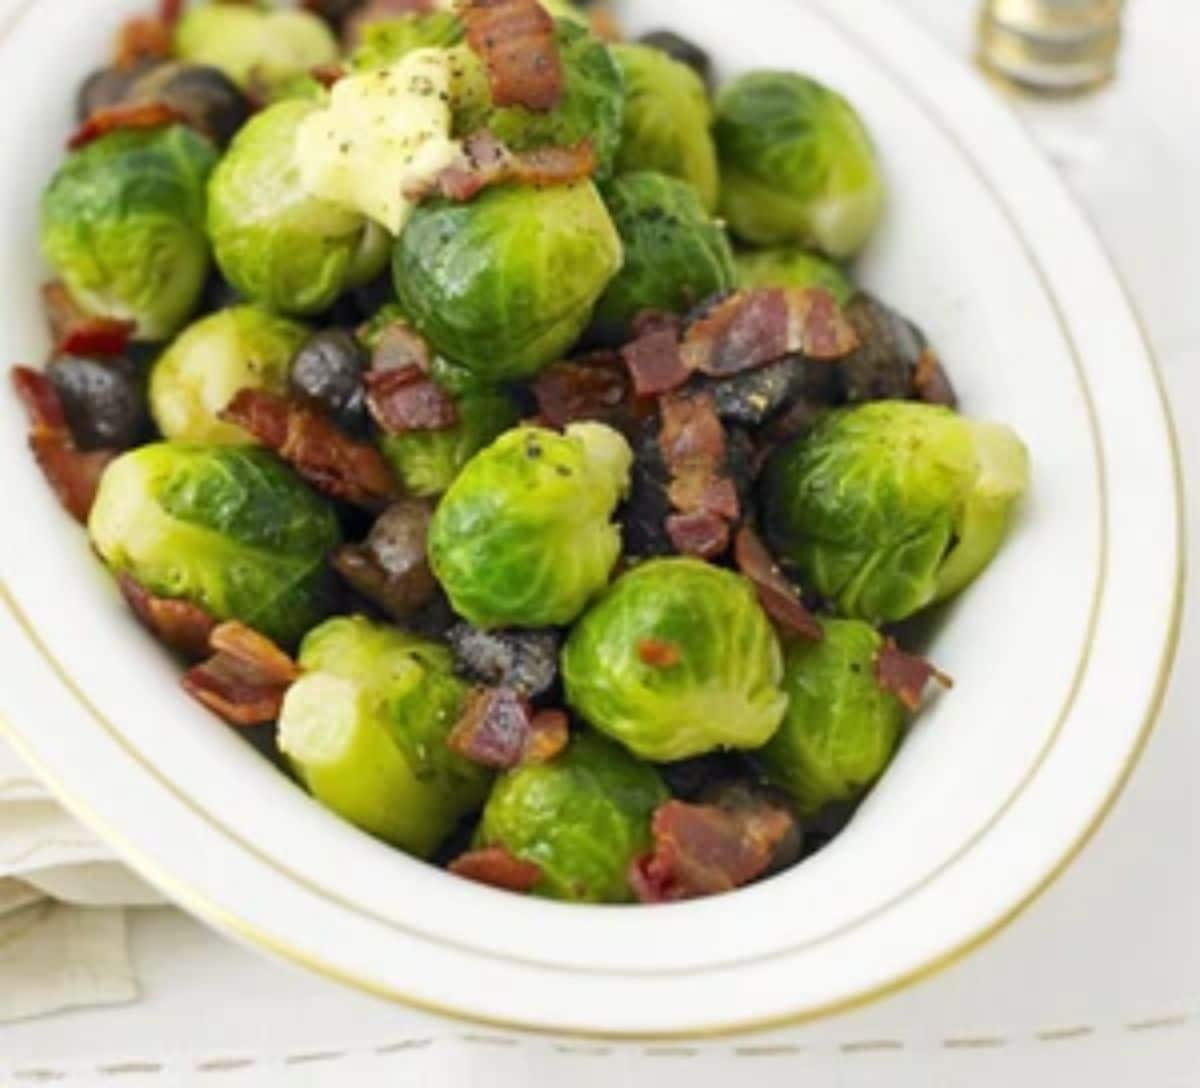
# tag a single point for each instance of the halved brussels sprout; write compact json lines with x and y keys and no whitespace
{"x":891,"y":506}
{"x":583,"y":819}
{"x":523,"y":537}
{"x":365,"y":730}
{"x":244,"y":347}
{"x":123,"y":226}
{"x":504,"y":285}
{"x":841,"y":726}
{"x":675,"y":254}
{"x":252,"y":46}
{"x":667,"y":120}
{"x":789,"y":267}
{"x":675,"y":660}
{"x":229,"y":528}
{"x":389,"y":40}
{"x":797,"y":164}
{"x":276,"y":242}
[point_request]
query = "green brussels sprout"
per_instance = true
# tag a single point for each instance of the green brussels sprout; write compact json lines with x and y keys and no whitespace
{"x":123,"y":226}
{"x":252,"y":46}
{"x":677,"y":659}
{"x":891,"y":506}
{"x":584,"y":818}
{"x":229,"y":528}
{"x":389,"y":40}
{"x":244,"y":347}
{"x":668,"y":120}
{"x":523,"y":536}
{"x":787,"y":267}
{"x":797,"y":165}
{"x":675,"y":254}
{"x":592,"y":105}
{"x":504,"y":285}
{"x":841,"y":727}
{"x":275,"y":242}
{"x":365,"y":730}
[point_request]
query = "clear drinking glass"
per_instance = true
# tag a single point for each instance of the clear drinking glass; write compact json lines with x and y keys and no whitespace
{"x":1051,"y":45}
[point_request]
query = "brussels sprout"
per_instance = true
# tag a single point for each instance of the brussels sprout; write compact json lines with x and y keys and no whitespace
{"x":244,"y":347}
{"x":229,"y":528}
{"x":389,"y":40}
{"x":523,"y":536}
{"x":123,"y":226}
{"x":892,"y":506}
{"x":505,"y":285}
{"x":675,"y":254}
{"x":365,"y":730}
{"x":667,"y":120}
{"x":841,"y":727}
{"x":788,"y":267}
{"x":274,"y":241}
{"x":583,"y":819}
{"x":675,"y":660}
{"x":797,"y":165}
{"x":253,"y":46}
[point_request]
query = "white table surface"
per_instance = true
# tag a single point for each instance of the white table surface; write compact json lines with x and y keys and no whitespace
{"x":1098,"y":983}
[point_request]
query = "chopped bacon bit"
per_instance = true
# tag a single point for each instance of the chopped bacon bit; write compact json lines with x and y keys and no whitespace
{"x":776,"y":594}
{"x":183,"y":626}
{"x":405,"y":400}
{"x":691,"y":432}
{"x":702,"y":850}
{"x":76,"y":332}
{"x":128,"y":115}
{"x":73,"y":474}
{"x":515,"y":40}
{"x":758,"y":326}
{"x":143,"y":38}
{"x":245,"y":680}
{"x":702,"y":535}
{"x":655,"y":362}
{"x":327,"y":74}
{"x":497,"y":868}
{"x":931,"y":383}
{"x":495,"y":728}
{"x":658,"y":653}
{"x":695,"y":490}
{"x":592,"y":388}
{"x":550,"y":731}
{"x":170,"y":11}
{"x":906,"y":675}
{"x":391,"y":567}
{"x":326,"y":456}
{"x":485,"y":161}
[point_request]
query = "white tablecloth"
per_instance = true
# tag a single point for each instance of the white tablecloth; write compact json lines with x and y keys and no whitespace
{"x":1098,"y":984}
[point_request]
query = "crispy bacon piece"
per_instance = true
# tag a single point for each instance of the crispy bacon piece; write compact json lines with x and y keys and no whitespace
{"x":776,"y":594}
{"x":75,"y":332}
{"x":592,"y":388}
{"x":515,"y":40}
{"x":183,"y":626}
{"x":169,"y":11}
{"x":499,"y":729}
{"x":655,"y":362}
{"x":326,"y":456}
{"x":485,"y":161}
{"x":702,"y":535}
{"x":406,"y":400}
{"x":245,"y":680}
{"x":497,"y":868}
{"x":758,"y":326}
{"x":931,"y":383}
{"x":906,"y":675}
{"x":127,"y":115}
{"x":143,"y":38}
{"x":73,"y":474}
{"x":658,"y":653}
{"x":702,"y":850}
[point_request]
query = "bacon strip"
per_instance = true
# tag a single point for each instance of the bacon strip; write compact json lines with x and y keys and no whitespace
{"x":323,"y":454}
{"x":498,"y":729}
{"x":906,"y":675}
{"x":702,"y":850}
{"x":776,"y":594}
{"x":76,"y":332}
{"x":485,"y":161}
{"x":406,"y":400}
{"x":655,"y":361}
{"x":183,"y":626}
{"x":497,"y":868}
{"x":515,"y":40}
{"x":703,"y":535}
{"x":127,"y":115}
{"x":73,"y":474}
{"x":245,"y":680}
{"x":758,"y":326}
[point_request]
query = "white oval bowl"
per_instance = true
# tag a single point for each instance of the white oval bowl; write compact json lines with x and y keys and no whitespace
{"x":1060,"y":651}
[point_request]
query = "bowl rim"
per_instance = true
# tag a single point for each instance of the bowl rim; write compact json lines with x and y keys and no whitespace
{"x":197,"y":901}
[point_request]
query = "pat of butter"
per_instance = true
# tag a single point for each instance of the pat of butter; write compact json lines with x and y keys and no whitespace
{"x":384,"y":133}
